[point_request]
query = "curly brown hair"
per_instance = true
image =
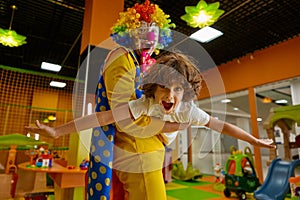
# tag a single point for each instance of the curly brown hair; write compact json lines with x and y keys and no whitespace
{"x":172,"y":68}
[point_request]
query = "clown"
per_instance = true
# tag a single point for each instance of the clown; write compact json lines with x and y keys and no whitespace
{"x":134,"y":155}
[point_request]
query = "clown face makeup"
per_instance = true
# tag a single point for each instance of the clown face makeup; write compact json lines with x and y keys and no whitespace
{"x":145,"y":38}
{"x":143,"y":16}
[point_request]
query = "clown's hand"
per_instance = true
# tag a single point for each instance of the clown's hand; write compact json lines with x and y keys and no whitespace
{"x":42,"y":130}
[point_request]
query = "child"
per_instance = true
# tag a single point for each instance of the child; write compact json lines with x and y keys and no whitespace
{"x":170,"y":99}
{"x":170,"y":87}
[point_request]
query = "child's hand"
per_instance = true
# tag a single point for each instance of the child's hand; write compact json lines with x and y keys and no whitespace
{"x":42,"y":129}
{"x":268,"y":143}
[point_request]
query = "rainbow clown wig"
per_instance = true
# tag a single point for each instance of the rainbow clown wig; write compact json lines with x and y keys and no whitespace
{"x":133,"y":18}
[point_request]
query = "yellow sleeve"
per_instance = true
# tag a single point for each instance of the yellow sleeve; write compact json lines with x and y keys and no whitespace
{"x":119,"y":75}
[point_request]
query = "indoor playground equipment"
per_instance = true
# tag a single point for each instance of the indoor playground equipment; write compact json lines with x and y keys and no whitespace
{"x":276,"y":184}
{"x":240,"y":174}
{"x":189,"y":174}
{"x":12,"y":143}
{"x":285,"y":117}
{"x":295,"y":187}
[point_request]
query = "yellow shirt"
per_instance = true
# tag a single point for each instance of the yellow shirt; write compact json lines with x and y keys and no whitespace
{"x":137,"y":148}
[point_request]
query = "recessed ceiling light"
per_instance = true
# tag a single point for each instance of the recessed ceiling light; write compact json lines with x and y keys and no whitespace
{"x":226,"y":101}
{"x":235,"y":108}
{"x":206,"y":34}
{"x":50,"y":67}
{"x":281,"y":101}
{"x":259,"y":119}
{"x":57,"y":84}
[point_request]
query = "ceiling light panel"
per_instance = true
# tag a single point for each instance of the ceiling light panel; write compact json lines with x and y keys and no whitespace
{"x":206,"y":34}
{"x":50,"y":67}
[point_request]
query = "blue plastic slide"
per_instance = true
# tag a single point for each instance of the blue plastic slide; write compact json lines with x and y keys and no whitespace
{"x":276,"y":184}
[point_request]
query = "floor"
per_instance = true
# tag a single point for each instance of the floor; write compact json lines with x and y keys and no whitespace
{"x":204,"y":188}
{"x":201,"y":189}
{"x":197,"y":190}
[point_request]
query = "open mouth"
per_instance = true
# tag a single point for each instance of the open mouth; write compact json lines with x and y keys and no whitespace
{"x":167,"y":106}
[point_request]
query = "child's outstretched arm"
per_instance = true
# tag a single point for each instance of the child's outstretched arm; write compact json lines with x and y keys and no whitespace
{"x":236,"y":132}
{"x":79,"y":124}
{"x":100,"y":119}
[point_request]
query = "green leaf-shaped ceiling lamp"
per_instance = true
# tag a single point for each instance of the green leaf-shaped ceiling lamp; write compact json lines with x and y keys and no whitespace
{"x":202,"y":14}
{"x":9,"y":37}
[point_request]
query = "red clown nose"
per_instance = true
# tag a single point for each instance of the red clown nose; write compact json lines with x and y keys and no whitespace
{"x":151,"y":36}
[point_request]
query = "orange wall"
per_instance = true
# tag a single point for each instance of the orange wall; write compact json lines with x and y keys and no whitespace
{"x":99,"y":17}
{"x":275,"y":63}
